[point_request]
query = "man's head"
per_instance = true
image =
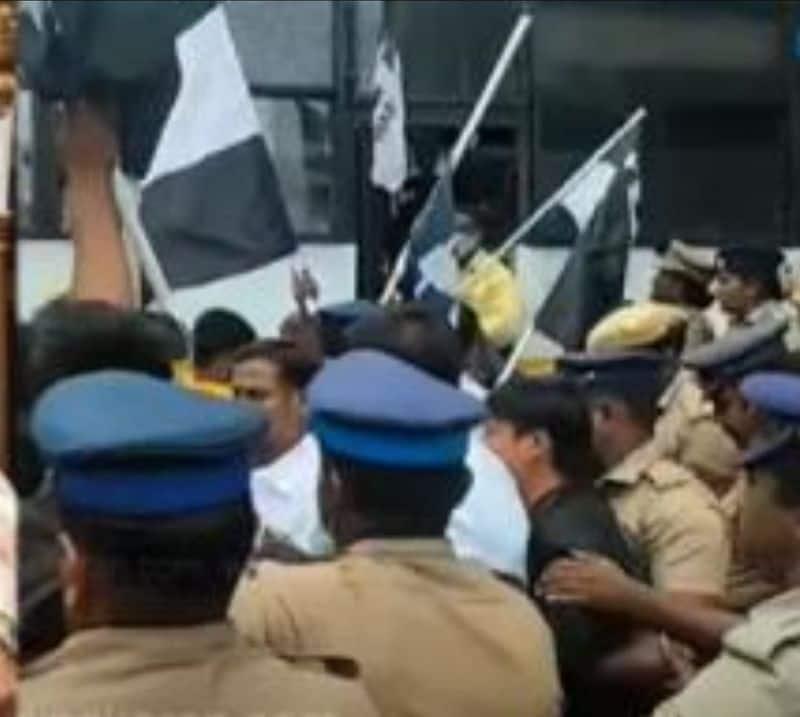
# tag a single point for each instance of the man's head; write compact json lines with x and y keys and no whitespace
{"x":218,"y":334}
{"x":746,"y":277}
{"x":271,"y":375}
{"x":623,"y":392}
{"x":414,"y":333}
{"x":69,"y":338}
{"x":770,"y":520}
{"x":721,"y":366}
{"x":540,"y":428}
{"x":154,"y":504}
{"x":684,"y":276}
{"x":395,"y":441}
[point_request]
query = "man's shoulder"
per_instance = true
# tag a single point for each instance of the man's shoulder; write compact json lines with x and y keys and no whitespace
{"x":757,"y":672}
{"x":248,"y":680}
{"x":771,"y":633}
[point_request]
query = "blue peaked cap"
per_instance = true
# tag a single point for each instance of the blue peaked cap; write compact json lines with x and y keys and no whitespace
{"x":127,"y":444}
{"x":777,"y":395}
{"x":741,"y":350}
{"x":372,"y":407}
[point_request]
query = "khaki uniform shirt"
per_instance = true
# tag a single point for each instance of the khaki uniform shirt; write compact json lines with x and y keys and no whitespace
{"x":681,"y":405}
{"x":433,"y":636}
{"x":758,"y":672}
{"x":205,"y":670}
{"x":674,"y":519}
{"x":746,"y":587}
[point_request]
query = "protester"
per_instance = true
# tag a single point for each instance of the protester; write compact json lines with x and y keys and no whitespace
{"x":272,"y":375}
{"x":542,"y":431}
{"x":438,"y":636}
{"x":217,"y":335}
{"x":758,"y":671}
{"x":158,"y":528}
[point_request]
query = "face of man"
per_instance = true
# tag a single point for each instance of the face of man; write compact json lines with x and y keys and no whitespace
{"x":507,"y":445}
{"x":260,"y":383}
{"x":736,"y":296}
{"x":668,"y":288}
{"x":769,"y":533}
{"x":733,"y":412}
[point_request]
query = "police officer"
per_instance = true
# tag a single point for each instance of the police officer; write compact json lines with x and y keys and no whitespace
{"x":432,"y":635}
{"x":152,"y":483}
{"x":659,"y":327}
{"x":722,"y":364}
{"x":673,"y":517}
{"x":749,"y":288}
{"x":758,"y":672}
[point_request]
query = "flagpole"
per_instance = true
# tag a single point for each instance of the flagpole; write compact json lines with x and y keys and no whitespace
{"x":459,"y":149}
{"x":515,"y":356}
{"x":575,"y":178}
{"x":128,"y":202}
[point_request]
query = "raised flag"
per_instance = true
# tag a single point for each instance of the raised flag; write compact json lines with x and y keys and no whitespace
{"x":208,"y":201}
{"x":599,"y":218}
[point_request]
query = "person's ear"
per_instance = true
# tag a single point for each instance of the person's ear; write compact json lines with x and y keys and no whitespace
{"x":74,"y":578}
{"x":534,"y":445}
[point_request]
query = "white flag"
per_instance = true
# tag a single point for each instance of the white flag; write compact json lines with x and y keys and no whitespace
{"x":389,"y":159}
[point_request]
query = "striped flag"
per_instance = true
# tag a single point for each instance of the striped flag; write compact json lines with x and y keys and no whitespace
{"x":599,"y":219}
{"x":206,"y":198}
{"x":211,"y":204}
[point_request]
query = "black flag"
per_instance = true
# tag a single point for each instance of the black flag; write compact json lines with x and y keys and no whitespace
{"x":600,"y":213}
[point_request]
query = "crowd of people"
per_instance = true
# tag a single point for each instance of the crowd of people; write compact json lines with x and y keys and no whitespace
{"x":352,"y":518}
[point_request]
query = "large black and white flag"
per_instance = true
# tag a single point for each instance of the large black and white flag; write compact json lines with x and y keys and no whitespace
{"x":203,"y":188}
{"x":598,"y":217}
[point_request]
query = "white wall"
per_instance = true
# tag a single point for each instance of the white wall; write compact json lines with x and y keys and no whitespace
{"x":265,"y":298}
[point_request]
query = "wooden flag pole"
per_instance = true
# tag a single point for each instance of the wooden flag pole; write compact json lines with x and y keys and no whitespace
{"x":459,"y":149}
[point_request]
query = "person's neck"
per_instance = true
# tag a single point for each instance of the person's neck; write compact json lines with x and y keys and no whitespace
{"x":539,"y":483}
{"x":108,"y":617}
{"x":627,"y":443}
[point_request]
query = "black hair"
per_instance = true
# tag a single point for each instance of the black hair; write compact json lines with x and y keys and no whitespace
{"x":218,"y":332}
{"x":641,"y":398}
{"x":68,"y":338}
{"x":158,"y":567}
{"x":402,"y":502}
{"x":554,"y":405}
{"x":167,"y":329}
{"x":414,"y":333}
{"x":297,"y":367}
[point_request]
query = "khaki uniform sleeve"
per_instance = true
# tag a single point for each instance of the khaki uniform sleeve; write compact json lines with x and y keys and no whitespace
{"x":734,"y":688}
{"x":259,"y":614}
{"x":687,"y":541}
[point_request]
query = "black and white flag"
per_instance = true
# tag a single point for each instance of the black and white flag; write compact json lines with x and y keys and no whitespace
{"x":599,"y":219}
{"x":202,"y":192}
